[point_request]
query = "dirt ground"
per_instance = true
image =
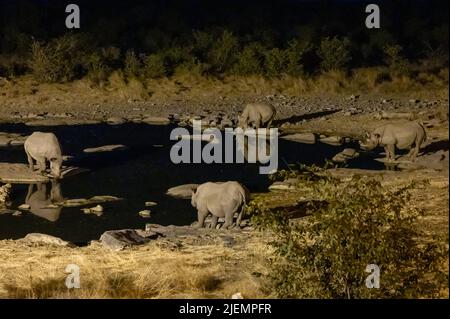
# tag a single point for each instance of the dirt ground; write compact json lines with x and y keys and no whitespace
{"x":156,"y":270}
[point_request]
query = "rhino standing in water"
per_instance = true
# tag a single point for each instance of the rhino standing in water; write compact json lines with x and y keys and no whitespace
{"x":258,"y":114}
{"x":44,"y":147}
{"x":402,"y":136}
{"x":221,"y":200}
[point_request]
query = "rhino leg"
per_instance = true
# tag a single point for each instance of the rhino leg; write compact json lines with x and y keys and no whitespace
{"x":30,"y":161}
{"x":390,"y":152}
{"x":228,"y":220}
{"x":42,"y":165}
{"x":201,"y":214}
{"x":214,"y":221}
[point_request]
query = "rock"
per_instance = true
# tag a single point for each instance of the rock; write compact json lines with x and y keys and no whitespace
{"x":150,"y":204}
{"x":237,"y":295}
{"x":47,"y":239}
{"x":61,"y":122}
{"x":24,"y":207}
{"x":105,"y":148}
{"x":345,"y":155}
{"x":77,"y":202}
{"x":145,"y":213}
{"x":120,"y":239}
{"x":11,"y":139}
{"x":332,"y":140}
{"x":414,"y":101}
{"x":21,"y":174}
{"x":97,"y":210}
{"x":182,"y":191}
{"x":153,"y":120}
{"x":306,"y":138}
{"x":281,"y":186}
{"x":115,"y":121}
{"x":17,"y":213}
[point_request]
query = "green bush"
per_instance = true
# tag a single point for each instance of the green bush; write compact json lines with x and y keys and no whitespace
{"x":101,"y":64}
{"x":397,"y":64}
{"x":154,"y":66}
{"x":275,"y":62}
{"x":249,"y":61}
{"x":325,"y":254}
{"x":335,"y":53}
{"x":132,"y":65}
{"x":56,"y":61}
{"x":296,"y":54}
{"x":222,"y":54}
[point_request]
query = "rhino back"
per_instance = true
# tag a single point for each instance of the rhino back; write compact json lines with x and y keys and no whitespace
{"x":402,"y":135}
{"x":43,"y":145}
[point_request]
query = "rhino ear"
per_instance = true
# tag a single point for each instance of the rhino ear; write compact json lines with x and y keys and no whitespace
{"x":193,"y":189}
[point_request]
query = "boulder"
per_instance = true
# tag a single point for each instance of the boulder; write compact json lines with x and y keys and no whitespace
{"x":21,"y":174}
{"x":306,"y":138}
{"x":345,"y":155}
{"x":115,"y":121}
{"x":105,"y":148}
{"x":120,"y":239}
{"x":332,"y":140}
{"x":47,"y":239}
{"x":154,"y":120}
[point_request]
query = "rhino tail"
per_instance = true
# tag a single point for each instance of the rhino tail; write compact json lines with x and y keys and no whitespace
{"x":424,"y":131}
{"x":245,"y":197}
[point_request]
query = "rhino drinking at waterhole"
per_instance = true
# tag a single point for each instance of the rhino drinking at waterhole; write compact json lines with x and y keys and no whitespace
{"x":258,"y":115}
{"x":221,"y":200}
{"x":403,"y":136}
{"x":44,"y":147}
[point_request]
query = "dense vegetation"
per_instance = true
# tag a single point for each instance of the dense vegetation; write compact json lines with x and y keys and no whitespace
{"x":350,"y":225}
{"x":159,"y":39}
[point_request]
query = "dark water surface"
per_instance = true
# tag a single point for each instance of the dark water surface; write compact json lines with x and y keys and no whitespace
{"x":141,"y":173}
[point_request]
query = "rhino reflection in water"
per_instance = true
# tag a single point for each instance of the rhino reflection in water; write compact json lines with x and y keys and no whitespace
{"x":42,"y":202}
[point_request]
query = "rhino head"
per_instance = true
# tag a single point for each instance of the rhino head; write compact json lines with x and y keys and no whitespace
{"x":370,"y":142}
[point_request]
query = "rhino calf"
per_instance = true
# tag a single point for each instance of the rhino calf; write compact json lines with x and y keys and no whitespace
{"x":221,"y":200}
{"x":402,"y":136}
{"x":257,"y":114}
{"x":44,"y":147}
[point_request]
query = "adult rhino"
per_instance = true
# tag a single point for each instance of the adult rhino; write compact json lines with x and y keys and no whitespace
{"x":402,"y":136}
{"x":44,"y":147}
{"x":257,"y":114}
{"x":221,"y":199}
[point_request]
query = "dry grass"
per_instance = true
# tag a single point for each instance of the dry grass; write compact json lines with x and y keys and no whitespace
{"x":150,"y":271}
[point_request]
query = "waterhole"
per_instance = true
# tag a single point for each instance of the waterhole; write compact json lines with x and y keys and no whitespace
{"x":143,"y":172}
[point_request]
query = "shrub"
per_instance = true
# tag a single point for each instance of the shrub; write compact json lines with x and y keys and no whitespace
{"x":358,"y":223}
{"x":249,"y":60}
{"x":296,"y":54}
{"x":56,"y":61}
{"x":154,"y":66}
{"x":222,"y":53}
{"x":275,"y":62}
{"x":335,"y":53}
{"x":132,"y":65}
{"x":397,"y":64}
{"x":101,"y":63}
